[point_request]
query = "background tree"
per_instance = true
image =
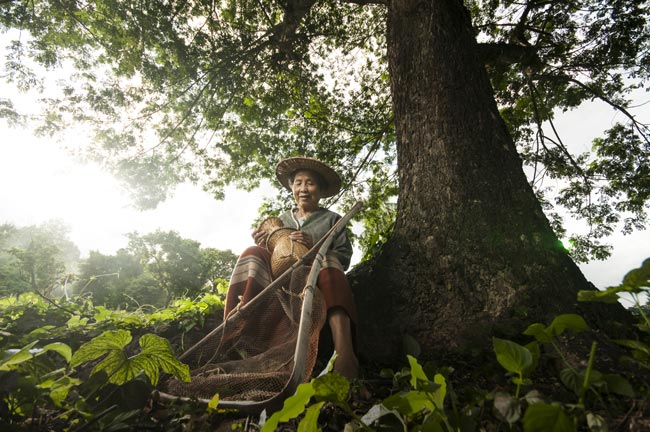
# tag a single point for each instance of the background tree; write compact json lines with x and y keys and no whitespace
{"x":154,"y":265}
{"x":35,"y":258}
{"x":11,"y":280}
{"x":217,"y":264}
{"x":363,"y":85}
{"x":145,"y":290}
{"x":175,"y":263}
{"x":108,"y":277}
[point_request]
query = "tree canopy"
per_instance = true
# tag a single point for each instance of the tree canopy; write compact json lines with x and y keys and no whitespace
{"x":229,"y":87}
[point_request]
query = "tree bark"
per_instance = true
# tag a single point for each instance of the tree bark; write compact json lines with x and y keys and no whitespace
{"x":472,"y":253}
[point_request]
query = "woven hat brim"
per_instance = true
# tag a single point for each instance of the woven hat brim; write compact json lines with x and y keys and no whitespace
{"x":289,"y":166}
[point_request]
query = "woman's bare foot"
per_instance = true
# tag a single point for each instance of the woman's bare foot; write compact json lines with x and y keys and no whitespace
{"x":347,"y":365}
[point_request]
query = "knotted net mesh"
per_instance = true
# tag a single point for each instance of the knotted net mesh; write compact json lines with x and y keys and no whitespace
{"x":252,"y":357}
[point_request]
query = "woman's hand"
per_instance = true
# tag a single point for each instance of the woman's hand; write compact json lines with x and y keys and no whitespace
{"x":302,"y":238}
{"x":259,"y":237}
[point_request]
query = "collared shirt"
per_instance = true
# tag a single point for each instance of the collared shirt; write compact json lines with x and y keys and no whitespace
{"x":317,"y":225}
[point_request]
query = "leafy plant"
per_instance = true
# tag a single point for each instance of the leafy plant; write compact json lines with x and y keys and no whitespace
{"x":635,"y":285}
{"x":522,"y":360}
{"x":156,"y":356}
{"x":421,"y":405}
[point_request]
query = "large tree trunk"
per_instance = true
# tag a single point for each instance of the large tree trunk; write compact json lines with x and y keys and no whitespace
{"x":472,"y":251}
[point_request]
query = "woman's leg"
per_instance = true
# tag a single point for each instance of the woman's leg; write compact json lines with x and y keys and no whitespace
{"x":346,"y":362}
{"x":251,"y":274}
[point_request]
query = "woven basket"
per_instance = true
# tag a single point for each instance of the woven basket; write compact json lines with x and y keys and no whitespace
{"x":270,"y":224}
{"x":284,"y":251}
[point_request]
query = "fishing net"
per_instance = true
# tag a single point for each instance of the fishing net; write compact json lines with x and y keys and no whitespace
{"x":251,"y":356}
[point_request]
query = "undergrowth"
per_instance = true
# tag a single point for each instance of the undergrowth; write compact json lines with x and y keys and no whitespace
{"x":74,"y":366}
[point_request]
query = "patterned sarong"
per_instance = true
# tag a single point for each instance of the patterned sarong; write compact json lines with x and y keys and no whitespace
{"x":252,"y":274}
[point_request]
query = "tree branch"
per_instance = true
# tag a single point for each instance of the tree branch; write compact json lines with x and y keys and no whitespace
{"x":366,"y":2}
{"x":517,"y":34}
{"x":507,"y":53}
{"x":625,"y":112}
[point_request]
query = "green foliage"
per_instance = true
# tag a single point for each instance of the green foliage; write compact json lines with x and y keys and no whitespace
{"x":156,"y":356}
{"x":154,"y":269}
{"x":27,"y":353}
{"x":559,"y":324}
{"x":107,"y":277}
{"x":229,"y":88}
{"x":83,"y":369}
{"x":420,"y":405}
{"x":522,"y":361}
{"x":43,"y":370}
{"x":175,"y":263}
{"x":514,"y":358}
{"x":544,"y":417}
{"x":293,"y":406}
{"x":36,"y":258}
{"x":635,"y":285}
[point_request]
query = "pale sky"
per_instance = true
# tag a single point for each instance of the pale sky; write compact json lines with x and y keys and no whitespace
{"x":39,"y":181}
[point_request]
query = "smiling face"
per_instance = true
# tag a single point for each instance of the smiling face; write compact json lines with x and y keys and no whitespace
{"x":306,"y":190}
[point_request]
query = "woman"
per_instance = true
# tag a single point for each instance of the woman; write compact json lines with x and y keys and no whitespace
{"x":309,"y":180}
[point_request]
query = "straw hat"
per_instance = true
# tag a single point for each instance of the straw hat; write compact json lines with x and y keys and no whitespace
{"x":287,"y":167}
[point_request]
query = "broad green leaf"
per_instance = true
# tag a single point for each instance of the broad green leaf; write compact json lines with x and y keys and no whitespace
{"x":101,"y":313}
{"x":610,"y":295}
{"x":634,"y":344}
{"x":18,"y":357}
{"x":160,"y":353}
{"x":38,"y":332}
{"x":332,"y":388}
{"x":61,"y":348}
{"x":539,"y":332}
{"x":214,"y":402}
{"x":433,"y":423}
{"x":411,"y":345}
{"x":572,"y":380}
{"x":409,"y":403}
{"x":564,"y":322}
{"x":59,"y":388}
{"x":156,"y":355}
{"x":542,"y":417}
{"x":106,"y":342}
{"x":310,"y":422}
{"x":293,"y":406}
{"x":633,"y":281}
{"x":513,"y":357}
{"x":117,"y":367}
{"x":619,"y":385}
{"x":76,"y":321}
{"x":441,"y":392}
{"x":417,"y":373}
{"x":639,"y":277}
{"x":533,"y":347}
